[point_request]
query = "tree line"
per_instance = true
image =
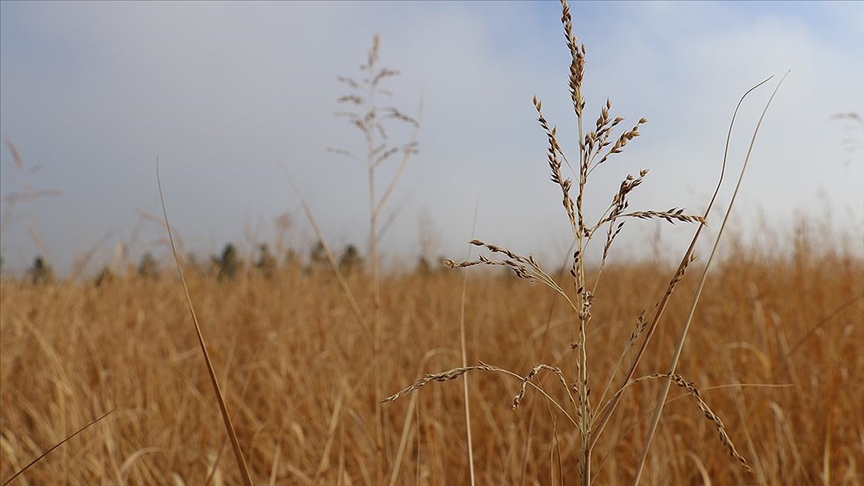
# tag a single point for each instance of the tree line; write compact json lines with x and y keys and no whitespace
{"x":229,"y":264}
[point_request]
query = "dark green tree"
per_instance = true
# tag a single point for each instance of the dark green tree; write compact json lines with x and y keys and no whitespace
{"x":266,"y":263}
{"x":350,"y":261}
{"x":318,"y":261}
{"x":104,"y":277}
{"x":148,"y":267}
{"x":229,"y":263}
{"x":41,"y":272}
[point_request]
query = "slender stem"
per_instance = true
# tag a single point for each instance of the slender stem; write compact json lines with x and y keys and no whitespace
{"x":220,"y":398}
{"x":585,"y":409}
{"x":667,"y":383}
{"x":601,"y":423}
{"x":463,"y":349}
{"x":376,"y":299}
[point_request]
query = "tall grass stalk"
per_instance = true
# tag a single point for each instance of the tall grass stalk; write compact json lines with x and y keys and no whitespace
{"x":660,"y":307}
{"x":679,"y":347}
{"x":220,"y":398}
{"x":596,"y":147}
{"x":55,"y":446}
{"x":463,"y":351}
{"x":369,"y":117}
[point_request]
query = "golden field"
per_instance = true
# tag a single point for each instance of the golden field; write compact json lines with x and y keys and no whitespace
{"x":525,"y":380}
{"x":775,"y":352}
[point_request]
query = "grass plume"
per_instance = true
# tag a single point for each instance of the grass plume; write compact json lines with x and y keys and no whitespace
{"x":596,"y":147}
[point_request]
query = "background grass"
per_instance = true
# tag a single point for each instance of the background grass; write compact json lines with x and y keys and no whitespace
{"x":297,"y":372}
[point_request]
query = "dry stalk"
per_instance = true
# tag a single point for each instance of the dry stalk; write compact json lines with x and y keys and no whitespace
{"x":595,"y":149}
{"x":223,"y":408}
{"x":331,"y":258}
{"x":664,"y":392}
{"x":409,"y":417}
{"x":660,"y":307}
{"x":454,"y":373}
{"x":368,"y":117}
{"x":464,"y":353}
{"x":58,"y":444}
{"x":28,"y":195}
{"x":703,"y":406}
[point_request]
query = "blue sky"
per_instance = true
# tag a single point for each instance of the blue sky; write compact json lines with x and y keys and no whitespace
{"x":93,"y":92}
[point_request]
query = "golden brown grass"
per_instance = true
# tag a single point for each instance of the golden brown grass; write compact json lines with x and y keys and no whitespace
{"x":589,"y":415}
{"x":775,"y":357}
{"x":297,"y":374}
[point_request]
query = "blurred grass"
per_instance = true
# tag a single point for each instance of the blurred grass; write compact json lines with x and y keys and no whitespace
{"x":297,"y":374}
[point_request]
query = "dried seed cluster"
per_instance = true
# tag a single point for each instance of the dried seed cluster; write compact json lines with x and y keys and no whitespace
{"x":596,"y":148}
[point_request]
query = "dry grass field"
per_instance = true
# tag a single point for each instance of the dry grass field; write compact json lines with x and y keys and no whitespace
{"x":505,"y":380}
{"x":776,"y":353}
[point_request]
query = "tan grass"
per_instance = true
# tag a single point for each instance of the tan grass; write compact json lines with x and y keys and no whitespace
{"x":295,"y":342}
{"x":368,"y":116}
{"x":777,"y":353}
{"x":220,"y":398}
{"x":593,"y":151}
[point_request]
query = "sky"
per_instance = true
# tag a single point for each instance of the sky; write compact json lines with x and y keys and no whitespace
{"x":223,"y":93}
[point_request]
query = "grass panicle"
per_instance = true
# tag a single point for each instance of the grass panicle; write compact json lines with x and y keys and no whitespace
{"x":596,"y":147}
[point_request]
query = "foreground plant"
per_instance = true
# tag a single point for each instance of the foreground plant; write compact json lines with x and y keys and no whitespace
{"x":596,"y":147}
